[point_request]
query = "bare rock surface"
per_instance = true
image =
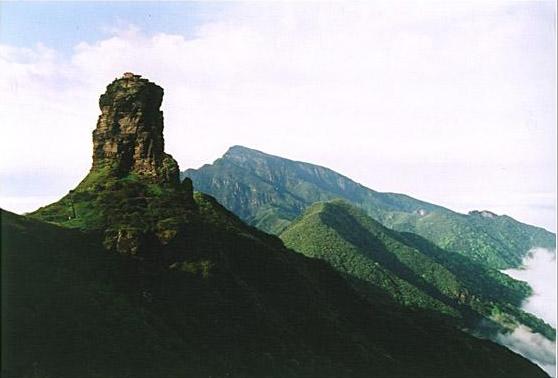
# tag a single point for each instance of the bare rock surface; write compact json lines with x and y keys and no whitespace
{"x":128,"y":138}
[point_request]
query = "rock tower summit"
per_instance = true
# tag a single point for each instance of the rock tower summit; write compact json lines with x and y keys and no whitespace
{"x":128,"y":138}
{"x":132,"y":192}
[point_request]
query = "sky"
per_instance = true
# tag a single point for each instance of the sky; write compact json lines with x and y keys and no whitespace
{"x":450,"y":102}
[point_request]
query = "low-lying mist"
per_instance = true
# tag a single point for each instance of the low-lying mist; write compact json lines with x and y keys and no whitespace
{"x":539,"y":271}
{"x":532,"y":346}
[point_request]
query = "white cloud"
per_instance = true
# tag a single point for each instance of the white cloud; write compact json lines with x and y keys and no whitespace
{"x":532,"y":346}
{"x":539,"y":270}
{"x":346,"y":85}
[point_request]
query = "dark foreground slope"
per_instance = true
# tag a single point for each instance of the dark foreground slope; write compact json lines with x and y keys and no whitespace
{"x":409,"y":269}
{"x":269,"y":192}
{"x":222,"y":300}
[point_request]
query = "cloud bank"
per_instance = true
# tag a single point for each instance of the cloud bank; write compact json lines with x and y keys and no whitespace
{"x":532,"y":346}
{"x":539,"y":271}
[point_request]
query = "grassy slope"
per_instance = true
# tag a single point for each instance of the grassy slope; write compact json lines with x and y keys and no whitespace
{"x":269,"y":192}
{"x":222,"y":299}
{"x":410,"y":269}
{"x":104,"y":201}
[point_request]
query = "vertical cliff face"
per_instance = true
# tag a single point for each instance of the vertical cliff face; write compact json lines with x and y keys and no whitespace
{"x":128,"y":138}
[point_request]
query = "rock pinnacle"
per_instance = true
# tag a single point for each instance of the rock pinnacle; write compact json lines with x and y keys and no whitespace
{"x":128,"y":138}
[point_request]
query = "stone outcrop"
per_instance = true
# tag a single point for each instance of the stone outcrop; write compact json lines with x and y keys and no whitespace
{"x":132,"y":192}
{"x":128,"y":138}
{"x":483,"y":213}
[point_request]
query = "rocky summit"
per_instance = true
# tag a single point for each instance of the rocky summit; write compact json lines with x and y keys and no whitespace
{"x":129,"y":134}
{"x":132,"y":192}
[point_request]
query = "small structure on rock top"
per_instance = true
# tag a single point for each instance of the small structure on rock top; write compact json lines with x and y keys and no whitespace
{"x":130,"y":75}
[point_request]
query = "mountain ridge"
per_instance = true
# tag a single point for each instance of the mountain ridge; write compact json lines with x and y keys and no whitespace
{"x":268,"y":192}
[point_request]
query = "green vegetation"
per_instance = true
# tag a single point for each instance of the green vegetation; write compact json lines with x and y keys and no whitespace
{"x":410,"y":269}
{"x":269,"y":192}
{"x":103,"y":199}
{"x":221,"y":299}
{"x":127,"y":209}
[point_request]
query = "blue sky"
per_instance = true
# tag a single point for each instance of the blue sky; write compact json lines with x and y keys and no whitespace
{"x":450,"y":102}
{"x":63,"y":25}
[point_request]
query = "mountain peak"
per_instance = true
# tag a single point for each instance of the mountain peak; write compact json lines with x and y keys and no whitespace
{"x":128,"y":138}
{"x":238,"y":151}
{"x":238,"y":148}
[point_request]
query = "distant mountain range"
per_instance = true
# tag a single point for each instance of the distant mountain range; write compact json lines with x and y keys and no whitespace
{"x":269,"y":192}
